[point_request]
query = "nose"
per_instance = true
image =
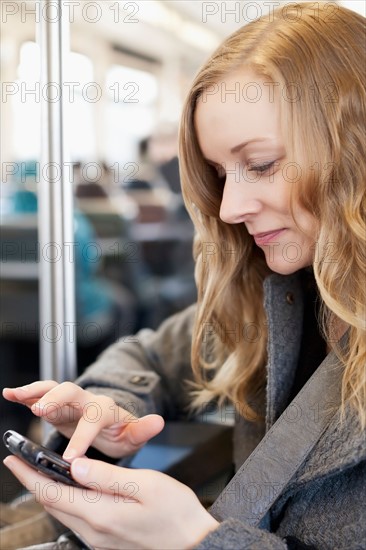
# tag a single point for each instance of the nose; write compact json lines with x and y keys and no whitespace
{"x":240,"y":201}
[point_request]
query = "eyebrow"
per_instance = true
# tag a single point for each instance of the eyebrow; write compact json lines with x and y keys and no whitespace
{"x":238,"y":148}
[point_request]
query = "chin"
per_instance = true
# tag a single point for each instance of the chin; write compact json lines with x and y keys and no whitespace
{"x":284,"y":268}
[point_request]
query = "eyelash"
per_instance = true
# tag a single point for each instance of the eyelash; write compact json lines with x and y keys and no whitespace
{"x":262,"y":169}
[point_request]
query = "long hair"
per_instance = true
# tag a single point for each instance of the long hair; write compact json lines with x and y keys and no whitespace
{"x":316,"y":54}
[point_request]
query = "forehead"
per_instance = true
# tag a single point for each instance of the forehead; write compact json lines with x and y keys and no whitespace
{"x":240,"y":107}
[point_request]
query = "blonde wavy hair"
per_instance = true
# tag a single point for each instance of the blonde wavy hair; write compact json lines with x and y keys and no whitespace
{"x":320,"y":48}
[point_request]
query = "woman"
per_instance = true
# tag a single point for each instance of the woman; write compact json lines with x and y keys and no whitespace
{"x":273,"y":174}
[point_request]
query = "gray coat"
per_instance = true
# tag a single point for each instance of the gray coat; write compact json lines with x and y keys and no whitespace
{"x":323,"y":506}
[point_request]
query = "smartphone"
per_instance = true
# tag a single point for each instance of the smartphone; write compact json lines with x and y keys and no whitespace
{"x":49,"y":463}
{"x":40,"y":458}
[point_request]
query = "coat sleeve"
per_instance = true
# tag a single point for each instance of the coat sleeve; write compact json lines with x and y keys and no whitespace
{"x":233,"y":534}
{"x":144,"y":373}
{"x":147,"y":372}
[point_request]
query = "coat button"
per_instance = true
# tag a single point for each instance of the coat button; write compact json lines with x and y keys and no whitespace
{"x":290,"y":298}
{"x":138,"y":380}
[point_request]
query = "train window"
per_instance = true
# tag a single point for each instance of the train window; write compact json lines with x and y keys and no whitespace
{"x":131,"y":110}
{"x":26,"y":104}
{"x":80,"y":94}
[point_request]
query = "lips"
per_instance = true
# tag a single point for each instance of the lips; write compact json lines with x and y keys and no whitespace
{"x":264,"y":238}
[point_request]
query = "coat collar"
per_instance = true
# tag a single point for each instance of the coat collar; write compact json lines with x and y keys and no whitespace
{"x":283,"y":302}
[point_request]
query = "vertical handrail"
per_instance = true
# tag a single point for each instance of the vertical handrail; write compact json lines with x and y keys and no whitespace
{"x":55,"y":217}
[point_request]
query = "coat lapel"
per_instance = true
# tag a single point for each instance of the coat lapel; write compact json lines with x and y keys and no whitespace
{"x":342,"y":445}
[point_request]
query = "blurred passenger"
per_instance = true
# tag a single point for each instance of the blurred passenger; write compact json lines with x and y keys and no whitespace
{"x":108,"y":306}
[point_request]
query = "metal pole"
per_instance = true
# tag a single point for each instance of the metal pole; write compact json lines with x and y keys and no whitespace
{"x":55,"y":216}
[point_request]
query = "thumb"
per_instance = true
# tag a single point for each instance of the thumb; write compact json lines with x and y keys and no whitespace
{"x":140,"y":431}
{"x":122,"y":483}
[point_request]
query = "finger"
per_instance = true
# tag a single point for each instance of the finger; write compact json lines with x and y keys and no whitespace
{"x":85,"y":530}
{"x":49,"y":492}
{"x":29,"y":393}
{"x":98,"y":412}
{"x":85,"y":503}
{"x":146,"y":427}
{"x":38,"y":484}
{"x":75,"y":523}
{"x":129,"y":436}
{"x":61,"y":403}
{"x":125,"y":484}
{"x":83,"y":436}
{"x":66,"y":392}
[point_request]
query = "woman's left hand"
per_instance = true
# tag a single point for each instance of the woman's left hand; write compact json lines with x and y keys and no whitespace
{"x":120,"y":508}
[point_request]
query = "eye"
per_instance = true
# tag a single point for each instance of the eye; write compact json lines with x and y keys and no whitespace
{"x":262,"y":168}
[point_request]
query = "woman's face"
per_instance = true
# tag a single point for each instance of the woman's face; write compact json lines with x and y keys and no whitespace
{"x":238,"y":129}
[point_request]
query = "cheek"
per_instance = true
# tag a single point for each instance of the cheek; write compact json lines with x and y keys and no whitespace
{"x":308,"y":226}
{"x":279,"y":192}
{"x":281,"y":195}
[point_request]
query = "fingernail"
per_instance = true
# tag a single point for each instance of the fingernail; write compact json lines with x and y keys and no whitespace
{"x":70,"y":454}
{"x":80,"y":467}
{"x":8,"y":462}
{"x":40,"y":406}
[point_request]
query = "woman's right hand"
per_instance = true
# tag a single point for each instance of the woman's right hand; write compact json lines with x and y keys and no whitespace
{"x":86,"y":419}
